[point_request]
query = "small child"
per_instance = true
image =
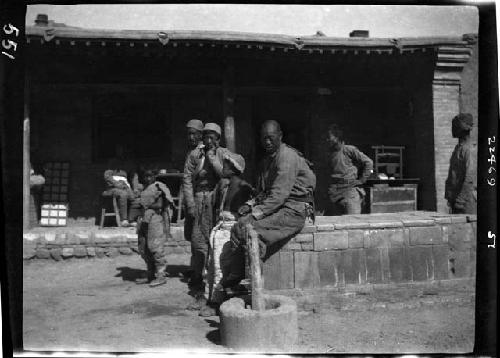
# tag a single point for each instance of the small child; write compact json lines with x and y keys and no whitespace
{"x":154,"y":228}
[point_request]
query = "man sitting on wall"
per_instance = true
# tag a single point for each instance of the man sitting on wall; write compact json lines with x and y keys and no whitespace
{"x":460,"y":190}
{"x":349,"y":168}
{"x":284,"y":199}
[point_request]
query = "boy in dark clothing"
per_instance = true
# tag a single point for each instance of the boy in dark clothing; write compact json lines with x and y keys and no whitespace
{"x":154,"y":228}
{"x":349,"y":169}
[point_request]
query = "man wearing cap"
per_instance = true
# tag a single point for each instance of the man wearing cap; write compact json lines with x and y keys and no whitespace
{"x":285,"y":187}
{"x":194,"y":129}
{"x":202,"y":172}
{"x":194,"y":139}
{"x":460,"y":189}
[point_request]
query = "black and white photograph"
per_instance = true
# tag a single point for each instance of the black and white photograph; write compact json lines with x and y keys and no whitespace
{"x":252,"y":178}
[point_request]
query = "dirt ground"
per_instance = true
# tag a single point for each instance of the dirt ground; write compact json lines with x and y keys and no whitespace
{"x":94,"y":305}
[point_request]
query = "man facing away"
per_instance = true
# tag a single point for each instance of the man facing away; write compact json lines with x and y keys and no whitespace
{"x":349,"y":168}
{"x":460,"y":189}
{"x":202,"y":172}
{"x":284,"y":199}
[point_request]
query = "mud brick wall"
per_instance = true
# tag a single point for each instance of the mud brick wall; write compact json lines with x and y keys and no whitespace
{"x":373,"y":249}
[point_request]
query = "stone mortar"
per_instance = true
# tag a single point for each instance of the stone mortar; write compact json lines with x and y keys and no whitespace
{"x":246,"y":330}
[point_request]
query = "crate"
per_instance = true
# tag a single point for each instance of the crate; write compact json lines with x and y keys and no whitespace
{"x":54,"y":215}
{"x":391,"y":199}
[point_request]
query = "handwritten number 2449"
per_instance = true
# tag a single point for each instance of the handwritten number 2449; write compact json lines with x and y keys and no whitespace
{"x":491,"y":160}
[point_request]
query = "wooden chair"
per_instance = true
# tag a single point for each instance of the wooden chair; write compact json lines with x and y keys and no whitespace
{"x":115,"y":212}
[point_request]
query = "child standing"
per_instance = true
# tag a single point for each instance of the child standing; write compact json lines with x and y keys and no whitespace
{"x":154,"y":228}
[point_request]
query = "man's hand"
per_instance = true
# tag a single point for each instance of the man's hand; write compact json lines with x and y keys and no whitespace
{"x":244,"y":210}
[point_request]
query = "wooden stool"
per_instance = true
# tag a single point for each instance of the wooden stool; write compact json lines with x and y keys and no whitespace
{"x":115,"y":212}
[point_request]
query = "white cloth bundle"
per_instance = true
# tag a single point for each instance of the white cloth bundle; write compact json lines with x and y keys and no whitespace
{"x":219,"y":256}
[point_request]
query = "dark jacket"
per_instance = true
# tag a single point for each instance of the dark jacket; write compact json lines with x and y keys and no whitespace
{"x":285,"y":179}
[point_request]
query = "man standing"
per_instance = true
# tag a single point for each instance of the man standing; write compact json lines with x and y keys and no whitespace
{"x":202,"y":172}
{"x":460,"y":190}
{"x":194,"y":140}
{"x":285,"y":187}
{"x":349,"y":168}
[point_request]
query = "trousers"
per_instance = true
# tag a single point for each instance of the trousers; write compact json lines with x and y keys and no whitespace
{"x":152,"y":238}
{"x":200,"y":234}
{"x":344,"y":202}
{"x":122,"y":196}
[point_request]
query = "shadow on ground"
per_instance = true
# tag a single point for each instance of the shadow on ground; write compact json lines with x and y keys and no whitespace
{"x":131,"y":274}
{"x":214,"y":335}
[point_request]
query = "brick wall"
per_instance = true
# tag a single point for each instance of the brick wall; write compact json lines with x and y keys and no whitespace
{"x":335,"y":252}
{"x":446,"y":106}
{"x":375,"y":249}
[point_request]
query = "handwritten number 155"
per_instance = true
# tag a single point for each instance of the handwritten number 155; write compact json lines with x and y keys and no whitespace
{"x":10,"y":45}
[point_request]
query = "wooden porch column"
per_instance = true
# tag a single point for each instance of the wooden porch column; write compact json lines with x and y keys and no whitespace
{"x":26,"y":160}
{"x":228,"y":108}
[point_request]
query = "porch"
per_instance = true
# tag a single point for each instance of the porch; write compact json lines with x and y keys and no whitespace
{"x":83,"y":98}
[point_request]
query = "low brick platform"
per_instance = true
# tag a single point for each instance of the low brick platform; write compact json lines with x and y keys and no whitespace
{"x":335,"y":252}
{"x":90,"y":241}
{"x":374,"y":249}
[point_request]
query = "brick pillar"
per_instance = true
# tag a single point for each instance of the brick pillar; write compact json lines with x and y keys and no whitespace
{"x":446,"y":104}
